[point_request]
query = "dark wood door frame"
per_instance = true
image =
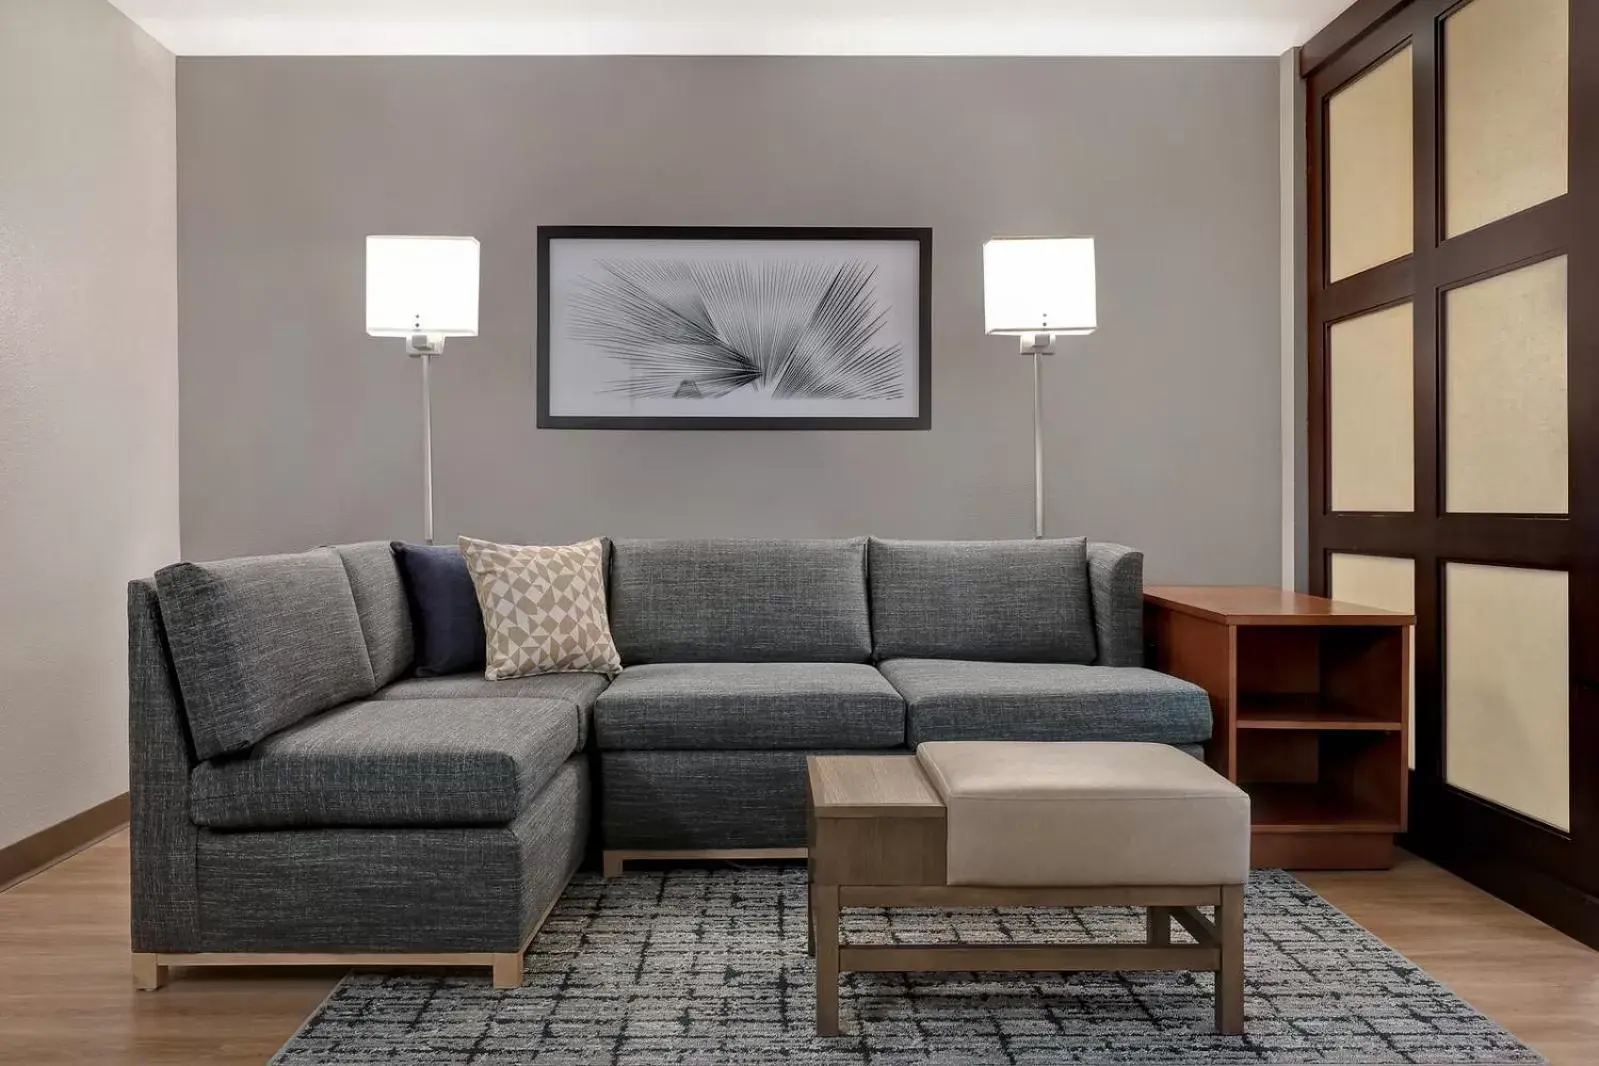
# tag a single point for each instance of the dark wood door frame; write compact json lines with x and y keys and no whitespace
{"x":1551,"y":874}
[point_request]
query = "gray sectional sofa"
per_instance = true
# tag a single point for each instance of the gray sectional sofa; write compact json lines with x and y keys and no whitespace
{"x":295,"y":791}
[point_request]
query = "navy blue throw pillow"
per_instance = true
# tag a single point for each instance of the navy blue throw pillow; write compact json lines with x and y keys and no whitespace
{"x":445,"y":617}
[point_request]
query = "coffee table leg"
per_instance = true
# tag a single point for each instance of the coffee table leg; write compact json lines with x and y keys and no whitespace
{"x":824,"y":916}
{"x":810,"y":893}
{"x":1230,"y":978}
{"x":1158,"y":920}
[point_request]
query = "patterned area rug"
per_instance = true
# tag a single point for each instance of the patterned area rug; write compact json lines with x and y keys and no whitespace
{"x":709,"y":967}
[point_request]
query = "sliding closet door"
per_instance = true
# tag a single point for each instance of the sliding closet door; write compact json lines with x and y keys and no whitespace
{"x":1454,"y":411}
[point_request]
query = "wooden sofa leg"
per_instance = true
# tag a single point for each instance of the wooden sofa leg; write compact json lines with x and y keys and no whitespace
{"x":508,"y":970}
{"x":1230,"y":978}
{"x":611,"y":864}
{"x":148,"y":973}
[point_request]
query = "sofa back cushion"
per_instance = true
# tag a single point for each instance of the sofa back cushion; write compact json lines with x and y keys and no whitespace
{"x":261,"y":643}
{"x":995,"y":600}
{"x":380,"y":603}
{"x":740,"y":601}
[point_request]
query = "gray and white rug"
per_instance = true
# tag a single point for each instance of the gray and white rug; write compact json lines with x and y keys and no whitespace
{"x":709,"y":967}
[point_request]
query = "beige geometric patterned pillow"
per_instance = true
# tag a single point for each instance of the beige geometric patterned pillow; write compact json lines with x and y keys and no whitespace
{"x":543,"y":608}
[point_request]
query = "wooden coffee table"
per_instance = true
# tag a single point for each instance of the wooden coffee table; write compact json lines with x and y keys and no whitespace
{"x":877,"y":837}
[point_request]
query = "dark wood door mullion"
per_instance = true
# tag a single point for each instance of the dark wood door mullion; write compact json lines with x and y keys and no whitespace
{"x":1427,"y":715}
{"x":1316,"y":451}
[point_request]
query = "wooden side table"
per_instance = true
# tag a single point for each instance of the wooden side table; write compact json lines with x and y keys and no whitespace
{"x":1311,"y":700}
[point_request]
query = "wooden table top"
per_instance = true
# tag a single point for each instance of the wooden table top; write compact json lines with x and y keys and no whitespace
{"x":1261,"y":606}
{"x":871,"y":786}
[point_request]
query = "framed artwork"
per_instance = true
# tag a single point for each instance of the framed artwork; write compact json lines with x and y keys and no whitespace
{"x":719,"y":327}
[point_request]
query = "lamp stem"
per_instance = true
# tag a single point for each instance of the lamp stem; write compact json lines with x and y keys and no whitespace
{"x":427,"y":446}
{"x":1038,"y":445}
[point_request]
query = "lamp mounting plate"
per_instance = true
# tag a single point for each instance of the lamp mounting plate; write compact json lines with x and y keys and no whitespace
{"x":420,"y":344}
{"x":1038,"y":344}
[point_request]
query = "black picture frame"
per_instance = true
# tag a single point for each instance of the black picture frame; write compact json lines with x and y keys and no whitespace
{"x":921,"y":236}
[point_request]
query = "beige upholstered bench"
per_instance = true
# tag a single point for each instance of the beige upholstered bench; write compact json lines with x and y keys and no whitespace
{"x":973,"y":824}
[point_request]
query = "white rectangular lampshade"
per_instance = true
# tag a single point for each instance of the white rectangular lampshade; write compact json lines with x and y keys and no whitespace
{"x":1039,"y":285}
{"x":421,"y":285}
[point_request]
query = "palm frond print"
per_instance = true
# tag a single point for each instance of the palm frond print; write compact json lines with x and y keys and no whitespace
{"x":792,"y":329}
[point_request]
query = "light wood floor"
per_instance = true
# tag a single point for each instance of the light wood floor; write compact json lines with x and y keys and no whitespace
{"x":66,"y":996}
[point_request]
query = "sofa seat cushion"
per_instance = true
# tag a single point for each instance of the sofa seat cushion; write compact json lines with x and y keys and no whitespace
{"x":578,"y":690}
{"x":956,"y":700}
{"x":767,"y":706}
{"x":392,"y":763}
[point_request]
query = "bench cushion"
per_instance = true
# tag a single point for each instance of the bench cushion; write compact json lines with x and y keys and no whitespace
{"x":678,"y":601}
{"x":392,"y":763}
{"x":704,"y":706}
{"x":260,"y":643}
{"x":1008,"y":600}
{"x":1087,"y":814}
{"x":954,"y":700}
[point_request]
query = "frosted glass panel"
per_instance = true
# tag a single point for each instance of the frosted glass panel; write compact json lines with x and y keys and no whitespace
{"x":1505,"y":392}
{"x":1507,"y":694}
{"x":1370,"y":197}
{"x":1505,"y":109}
{"x":1371,"y":412}
{"x":1386,"y":582}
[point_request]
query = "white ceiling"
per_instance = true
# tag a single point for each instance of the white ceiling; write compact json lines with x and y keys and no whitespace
{"x":731,"y":27}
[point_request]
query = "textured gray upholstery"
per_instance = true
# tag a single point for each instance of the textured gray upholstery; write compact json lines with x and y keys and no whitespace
{"x":380,"y":604}
{"x":392,"y":763}
{"x":955,"y":700}
{"x":749,"y":705}
{"x":345,"y":807}
{"x":704,"y":799}
{"x":260,"y":643}
{"x":1015,"y":601}
{"x":411,"y":890}
{"x":579,"y":690}
{"x":739,"y":601}
{"x":162,"y":839}
{"x":1116,"y":576}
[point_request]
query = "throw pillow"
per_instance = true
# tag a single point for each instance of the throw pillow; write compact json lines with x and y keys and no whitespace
{"x":446,"y":622}
{"x":543,"y":608}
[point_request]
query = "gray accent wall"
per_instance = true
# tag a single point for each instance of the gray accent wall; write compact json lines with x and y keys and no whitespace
{"x":1163,"y":428}
{"x":88,"y":390}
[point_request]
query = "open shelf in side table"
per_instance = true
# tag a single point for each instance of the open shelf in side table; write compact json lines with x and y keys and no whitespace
{"x":1307,"y":711}
{"x":1311,"y":714}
